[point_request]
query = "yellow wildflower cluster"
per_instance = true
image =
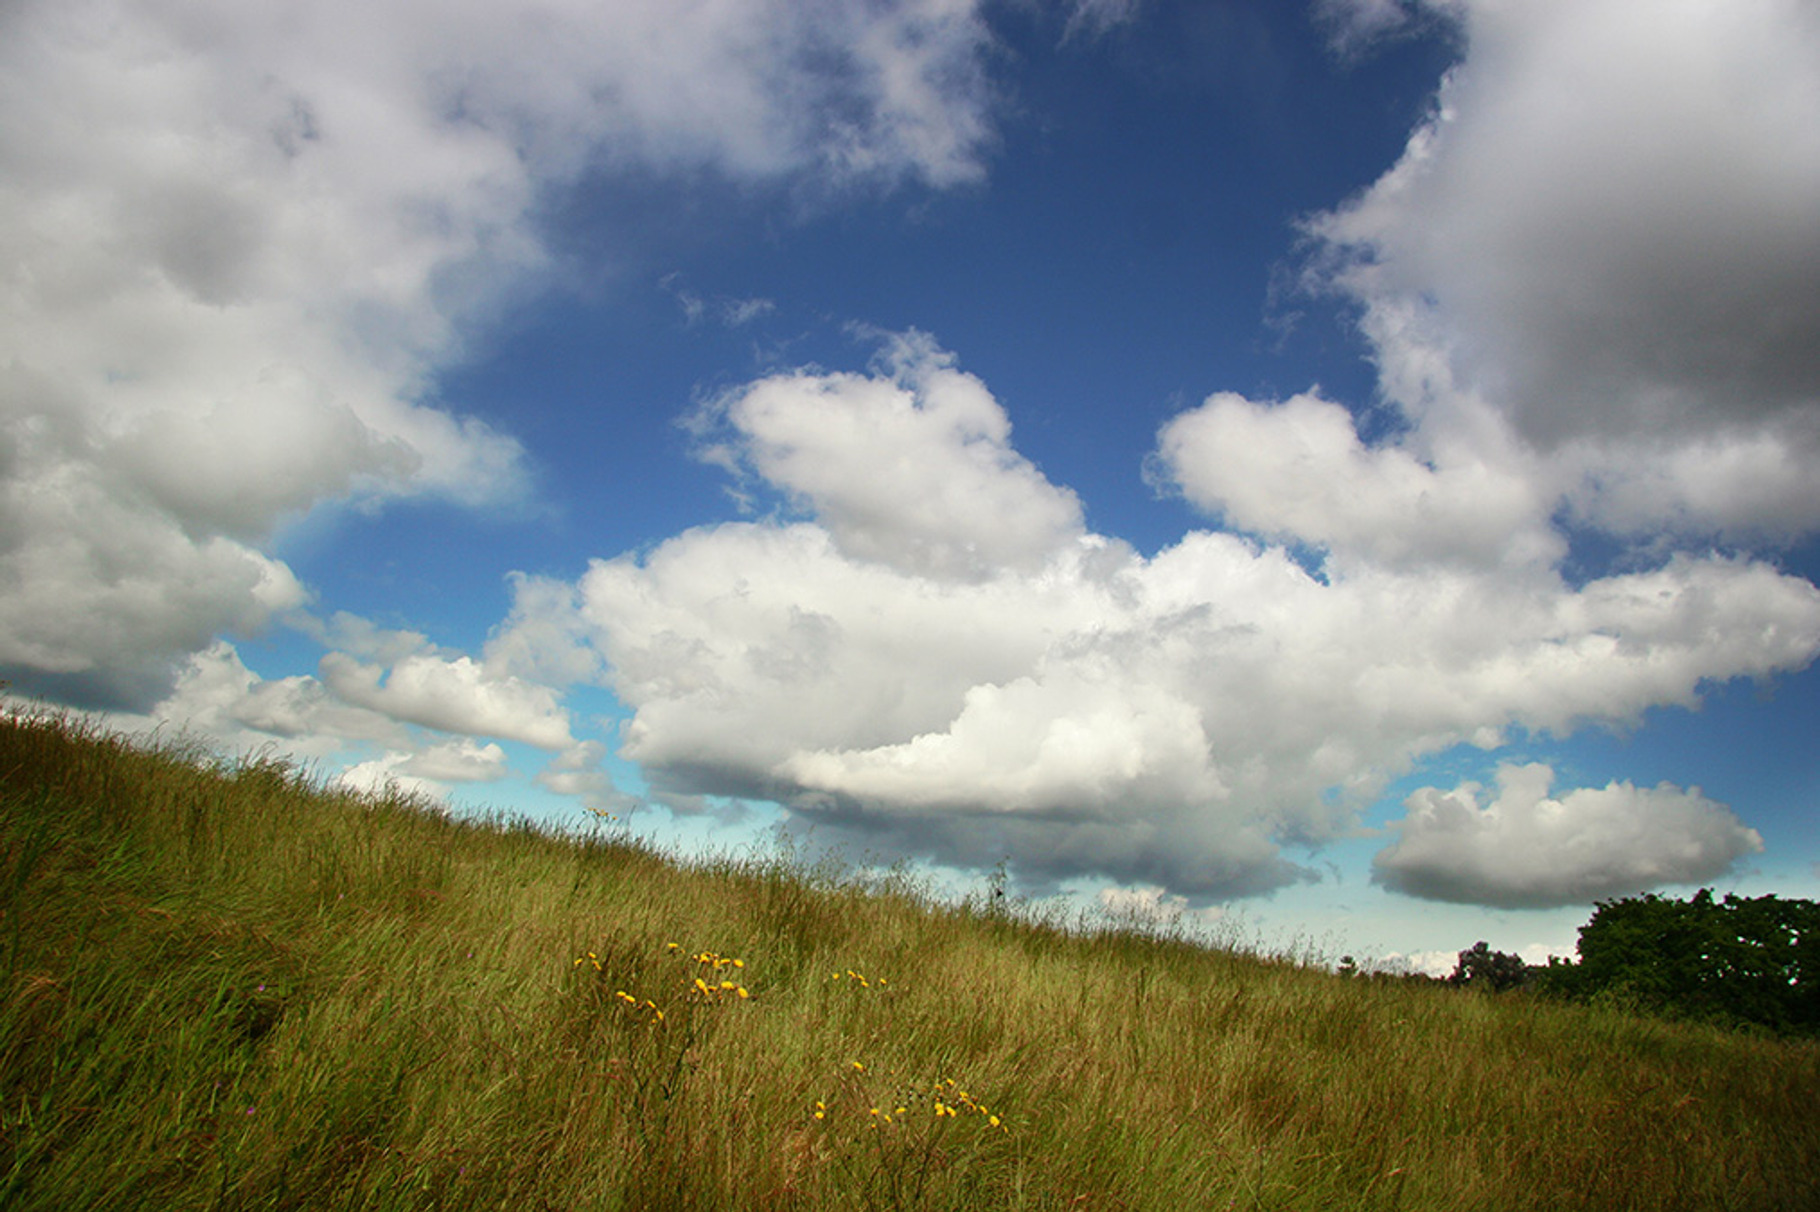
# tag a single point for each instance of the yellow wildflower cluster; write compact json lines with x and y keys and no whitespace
{"x":944,"y":1099}
{"x":859,"y":978}
{"x":636,"y":1006}
{"x":711,"y":989}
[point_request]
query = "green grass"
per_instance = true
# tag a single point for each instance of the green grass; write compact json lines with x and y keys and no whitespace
{"x":230,"y":988}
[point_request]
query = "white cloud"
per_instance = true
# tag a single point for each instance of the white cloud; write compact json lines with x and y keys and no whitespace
{"x":576,"y":771}
{"x":1297,"y":470}
{"x":1526,"y":849}
{"x":1151,"y":905}
{"x":237,"y":243}
{"x":541,"y":640}
{"x":453,"y":694}
{"x":219,"y":700}
{"x":1145,"y":903}
{"x":1173,"y":720}
{"x":1609,"y":234}
{"x":1588,"y":286}
{"x":1428,"y":963}
{"x":464,"y":760}
{"x":1538,"y":954}
{"x":384,"y":775}
{"x":912,"y":466}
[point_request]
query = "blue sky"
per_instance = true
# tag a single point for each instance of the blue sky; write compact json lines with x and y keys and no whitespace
{"x":1334,"y":469}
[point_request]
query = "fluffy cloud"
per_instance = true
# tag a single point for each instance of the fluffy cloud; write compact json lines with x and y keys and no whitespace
{"x":236,"y":245}
{"x":1595,"y":325}
{"x":1526,"y":849}
{"x":411,"y":715}
{"x":459,"y":761}
{"x":912,"y":467}
{"x":576,"y":771}
{"x":428,"y":772}
{"x":1610,"y":231}
{"x":452,"y":694}
{"x":218,"y":700}
{"x":1297,"y":470}
{"x":1173,"y":720}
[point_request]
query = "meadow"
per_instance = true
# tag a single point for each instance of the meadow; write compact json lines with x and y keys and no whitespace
{"x":229,"y":987}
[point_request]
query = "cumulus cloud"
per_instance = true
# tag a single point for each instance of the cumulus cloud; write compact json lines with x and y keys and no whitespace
{"x":236,"y":246}
{"x":1175,"y":720}
{"x":1523,"y":848}
{"x":911,"y":466}
{"x":428,"y":712}
{"x":576,"y":772}
{"x":453,"y":694}
{"x":217,"y":699}
{"x":1297,"y":470}
{"x":1149,"y":906}
{"x":1609,"y":233}
{"x":459,"y":761}
{"x":428,"y":772}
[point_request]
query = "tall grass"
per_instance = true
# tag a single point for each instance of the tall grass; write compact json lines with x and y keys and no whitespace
{"x":230,"y":988}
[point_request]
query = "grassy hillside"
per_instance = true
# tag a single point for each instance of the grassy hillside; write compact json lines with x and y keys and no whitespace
{"x":232,"y":989}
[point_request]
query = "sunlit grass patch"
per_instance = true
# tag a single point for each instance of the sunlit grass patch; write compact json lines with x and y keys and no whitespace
{"x":228,"y":988}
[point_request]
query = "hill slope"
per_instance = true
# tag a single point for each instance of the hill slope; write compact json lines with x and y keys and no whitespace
{"x":229,"y":988}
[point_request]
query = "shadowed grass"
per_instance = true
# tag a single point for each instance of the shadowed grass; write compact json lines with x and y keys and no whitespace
{"x":229,"y":988}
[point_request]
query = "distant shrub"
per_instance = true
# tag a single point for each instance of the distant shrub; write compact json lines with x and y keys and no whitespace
{"x":1481,"y":968}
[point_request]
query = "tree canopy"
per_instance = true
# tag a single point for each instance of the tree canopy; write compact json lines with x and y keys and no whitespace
{"x":1741,"y":959}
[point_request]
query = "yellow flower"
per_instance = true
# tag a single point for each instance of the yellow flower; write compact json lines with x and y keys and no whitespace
{"x":858,"y":1068}
{"x":742,"y":993}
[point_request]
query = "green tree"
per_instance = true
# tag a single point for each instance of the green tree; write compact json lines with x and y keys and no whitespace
{"x":1751,"y":960}
{"x":1479,"y":967}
